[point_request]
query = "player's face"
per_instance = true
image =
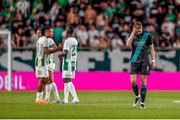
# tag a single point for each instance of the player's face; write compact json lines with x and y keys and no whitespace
{"x":51,"y":33}
{"x":139,"y":29}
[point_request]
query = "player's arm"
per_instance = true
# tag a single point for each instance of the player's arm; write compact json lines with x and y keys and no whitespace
{"x":63,"y":54}
{"x":130,"y":38}
{"x":48,"y":51}
{"x":56,"y":46}
{"x":66,"y":48}
{"x":152,"y":53}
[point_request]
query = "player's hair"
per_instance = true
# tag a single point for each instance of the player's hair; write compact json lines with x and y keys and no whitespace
{"x":38,"y":28}
{"x":138,"y":24}
{"x":70,"y":30}
{"x":44,"y":29}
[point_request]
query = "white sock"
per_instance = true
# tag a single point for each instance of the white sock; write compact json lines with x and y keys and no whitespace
{"x":66,"y":92}
{"x":48,"y":91}
{"x":72,"y":90}
{"x":55,"y":91}
{"x":39,"y":96}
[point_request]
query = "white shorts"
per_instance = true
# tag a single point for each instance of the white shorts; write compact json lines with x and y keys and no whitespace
{"x":42,"y":72}
{"x":51,"y":66}
{"x":68,"y":74}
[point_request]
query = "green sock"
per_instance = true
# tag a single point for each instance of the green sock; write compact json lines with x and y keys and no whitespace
{"x":143,"y":93}
{"x":135,"y":89}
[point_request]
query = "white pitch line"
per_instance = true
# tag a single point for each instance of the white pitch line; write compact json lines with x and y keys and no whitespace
{"x":176,"y":101}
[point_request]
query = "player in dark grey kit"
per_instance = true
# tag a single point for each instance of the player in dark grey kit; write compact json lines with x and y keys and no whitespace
{"x":140,"y":41}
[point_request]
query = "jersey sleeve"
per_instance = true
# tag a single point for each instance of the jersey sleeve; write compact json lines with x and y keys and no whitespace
{"x":149,"y":40}
{"x":45,"y":43}
{"x":52,"y":42}
{"x":66,"y":45}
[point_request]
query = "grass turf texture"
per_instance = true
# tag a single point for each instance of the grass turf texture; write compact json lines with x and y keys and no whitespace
{"x":114,"y":104}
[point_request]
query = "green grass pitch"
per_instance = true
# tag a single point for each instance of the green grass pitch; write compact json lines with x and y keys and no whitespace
{"x":93,"y":104}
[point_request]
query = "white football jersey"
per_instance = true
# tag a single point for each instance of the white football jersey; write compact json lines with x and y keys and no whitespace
{"x":50,"y":46}
{"x":69,"y":62}
{"x":41,"y":56}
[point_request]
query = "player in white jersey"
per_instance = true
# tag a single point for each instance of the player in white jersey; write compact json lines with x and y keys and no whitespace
{"x":69,"y":56}
{"x":50,"y":84}
{"x":41,"y":67}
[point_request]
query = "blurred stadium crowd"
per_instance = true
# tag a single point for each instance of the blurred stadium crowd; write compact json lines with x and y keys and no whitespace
{"x":100,"y":23}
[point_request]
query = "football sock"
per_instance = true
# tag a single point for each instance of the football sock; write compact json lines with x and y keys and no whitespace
{"x":48,"y":91}
{"x":135,"y":89}
{"x":39,"y":96}
{"x":66,"y":92}
{"x":143,"y":93}
{"x":55,"y":91}
{"x":72,"y":90}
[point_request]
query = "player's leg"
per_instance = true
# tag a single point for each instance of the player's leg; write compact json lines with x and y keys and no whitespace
{"x":51,"y":86}
{"x":48,"y":90}
{"x":135,"y":89}
{"x":54,"y":87}
{"x":72,"y":89}
{"x":134,"y":70}
{"x":41,"y":74}
{"x":66,"y":89}
{"x":143,"y":90}
{"x":69,"y":86}
{"x":39,"y":94}
{"x":144,"y":71}
{"x":134,"y":84}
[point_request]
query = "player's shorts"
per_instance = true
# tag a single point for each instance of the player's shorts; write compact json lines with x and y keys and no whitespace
{"x":42,"y":72}
{"x":51,"y":66}
{"x":68,"y":74}
{"x":142,"y":68}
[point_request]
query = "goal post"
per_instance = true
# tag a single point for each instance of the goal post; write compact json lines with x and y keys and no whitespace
{"x":9,"y":58}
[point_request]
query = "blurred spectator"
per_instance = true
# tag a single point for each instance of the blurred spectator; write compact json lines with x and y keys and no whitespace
{"x":24,"y":7}
{"x":171,"y":14}
{"x":166,"y":40}
{"x":90,"y":15}
{"x":116,"y":42}
{"x":71,"y":16}
{"x":104,"y":43}
{"x":54,"y":11}
{"x":121,"y":6}
{"x":98,"y":22}
{"x":3,"y":38}
{"x":33,"y":38}
{"x":83,"y":36}
{"x":20,"y":38}
{"x":94,"y":42}
{"x":138,"y":13}
{"x":92,"y":32}
{"x":169,"y":26}
{"x":58,"y":30}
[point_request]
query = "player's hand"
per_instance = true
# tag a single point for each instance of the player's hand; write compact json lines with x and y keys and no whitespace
{"x":60,"y":47}
{"x":135,"y":30}
{"x":153,"y":65}
{"x":60,"y":57}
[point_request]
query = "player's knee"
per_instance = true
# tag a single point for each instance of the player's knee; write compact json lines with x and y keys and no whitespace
{"x":39,"y":89}
{"x":143,"y":83}
{"x":66,"y":80}
{"x":48,"y":81}
{"x":143,"y":80}
{"x":133,"y":82}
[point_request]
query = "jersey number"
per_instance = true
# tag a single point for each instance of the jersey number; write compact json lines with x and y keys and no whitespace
{"x":74,"y":49}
